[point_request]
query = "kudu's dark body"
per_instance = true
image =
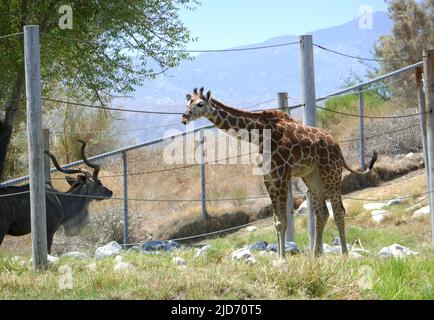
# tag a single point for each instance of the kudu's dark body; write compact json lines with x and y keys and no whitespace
{"x":69,"y":209}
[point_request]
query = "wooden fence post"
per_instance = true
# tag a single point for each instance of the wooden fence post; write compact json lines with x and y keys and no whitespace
{"x":362,"y":130}
{"x":423,"y":118}
{"x":428,"y":73}
{"x":203,"y":178}
{"x":309,"y":114}
{"x":125,"y":192}
{"x":282,"y":98}
{"x":36,"y":147}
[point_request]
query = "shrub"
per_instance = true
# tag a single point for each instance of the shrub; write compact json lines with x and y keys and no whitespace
{"x":107,"y":225}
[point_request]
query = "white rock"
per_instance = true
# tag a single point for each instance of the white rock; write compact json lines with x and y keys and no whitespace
{"x":110,"y":249}
{"x":396,"y":201}
{"x":250,"y":260}
{"x":202,"y":251}
{"x":422,"y":212}
{"x":409,"y":155}
{"x":251,"y":228}
{"x":374,"y":206}
{"x":52,"y":259}
{"x":179,"y":261}
{"x":302,"y":209}
{"x":241,"y":254}
{"x":379,"y":215}
{"x":331,"y":249}
{"x":121,"y":265}
{"x":75,"y":254}
{"x":396,"y":251}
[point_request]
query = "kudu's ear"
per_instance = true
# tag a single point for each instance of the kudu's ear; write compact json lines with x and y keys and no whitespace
{"x":81,"y":179}
{"x":188,"y":96}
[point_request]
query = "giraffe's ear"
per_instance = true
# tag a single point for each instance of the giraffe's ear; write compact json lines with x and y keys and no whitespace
{"x":188,"y":96}
{"x":208,"y":96}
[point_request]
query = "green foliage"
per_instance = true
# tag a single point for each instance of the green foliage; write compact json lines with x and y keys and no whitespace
{"x":348,"y":104}
{"x":112,"y":47}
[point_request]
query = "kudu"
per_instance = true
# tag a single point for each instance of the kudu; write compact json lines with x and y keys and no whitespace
{"x":69,"y":208}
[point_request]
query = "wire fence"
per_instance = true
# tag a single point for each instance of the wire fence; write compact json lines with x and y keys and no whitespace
{"x":160,"y":192}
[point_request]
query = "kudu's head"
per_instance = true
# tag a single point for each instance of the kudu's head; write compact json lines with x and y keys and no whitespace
{"x":198,"y":105}
{"x":84,"y":183}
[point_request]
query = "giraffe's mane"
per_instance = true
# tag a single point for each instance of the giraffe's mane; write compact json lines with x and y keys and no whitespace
{"x":258,"y":115}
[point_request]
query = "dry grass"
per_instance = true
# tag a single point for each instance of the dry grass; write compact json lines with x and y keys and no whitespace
{"x":216,"y":276}
{"x":168,"y":220}
{"x":385,"y":169}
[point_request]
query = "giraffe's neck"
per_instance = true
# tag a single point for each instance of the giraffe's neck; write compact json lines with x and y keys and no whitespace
{"x":225,"y":118}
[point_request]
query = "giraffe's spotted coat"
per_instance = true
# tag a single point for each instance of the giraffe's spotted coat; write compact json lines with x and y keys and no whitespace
{"x":296,"y":150}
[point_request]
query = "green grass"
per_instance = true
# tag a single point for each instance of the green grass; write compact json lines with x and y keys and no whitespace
{"x":216,"y":276}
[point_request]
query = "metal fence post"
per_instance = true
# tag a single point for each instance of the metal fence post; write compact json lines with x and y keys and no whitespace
{"x":428,"y":73}
{"x":423,"y":118}
{"x":309,"y":115}
{"x":203,"y":178}
{"x":125,"y":192}
{"x":46,"y":139}
{"x":362,"y":129}
{"x":36,"y":147}
{"x":282,"y":98}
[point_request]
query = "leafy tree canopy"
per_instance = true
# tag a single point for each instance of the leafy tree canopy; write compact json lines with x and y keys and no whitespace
{"x":413,"y":31}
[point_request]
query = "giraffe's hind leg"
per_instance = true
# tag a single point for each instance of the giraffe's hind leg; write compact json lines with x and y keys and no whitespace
{"x":321,"y":216}
{"x":339,"y":217}
{"x":315,"y":186}
{"x":278,"y":192}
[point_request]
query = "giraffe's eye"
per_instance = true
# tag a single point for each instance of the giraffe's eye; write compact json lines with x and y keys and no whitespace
{"x":200,"y":104}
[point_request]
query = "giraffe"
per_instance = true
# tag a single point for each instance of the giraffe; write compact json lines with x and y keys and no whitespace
{"x":296,"y":150}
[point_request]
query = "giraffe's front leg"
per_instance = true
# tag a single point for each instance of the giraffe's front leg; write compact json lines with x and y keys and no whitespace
{"x":281,"y":225}
{"x":280,"y":220}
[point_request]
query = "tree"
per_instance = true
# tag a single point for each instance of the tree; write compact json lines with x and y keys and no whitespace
{"x":413,"y":31}
{"x":112,"y":46}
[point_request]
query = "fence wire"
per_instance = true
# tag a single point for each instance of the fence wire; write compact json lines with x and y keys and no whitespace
{"x":159,"y":192}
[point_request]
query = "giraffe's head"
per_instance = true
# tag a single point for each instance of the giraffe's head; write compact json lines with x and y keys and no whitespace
{"x":198,"y":105}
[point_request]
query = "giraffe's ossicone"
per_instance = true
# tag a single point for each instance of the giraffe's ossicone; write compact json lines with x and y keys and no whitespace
{"x":296,"y":150}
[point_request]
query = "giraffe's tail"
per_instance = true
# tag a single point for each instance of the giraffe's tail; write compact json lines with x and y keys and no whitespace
{"x":368,"y":169}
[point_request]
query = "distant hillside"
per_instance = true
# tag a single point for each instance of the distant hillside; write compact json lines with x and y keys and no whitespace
{"x":244,"y":78}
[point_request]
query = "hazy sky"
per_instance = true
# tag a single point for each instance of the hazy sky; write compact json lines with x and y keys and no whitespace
{"x":229,"y":23}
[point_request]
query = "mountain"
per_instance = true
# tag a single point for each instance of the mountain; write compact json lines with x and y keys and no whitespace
{"x":244,"y":78}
